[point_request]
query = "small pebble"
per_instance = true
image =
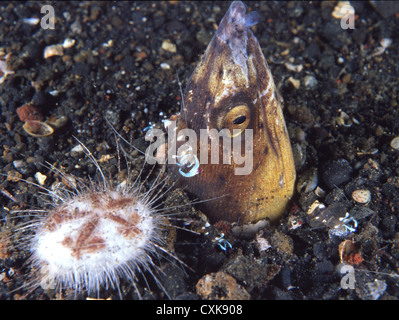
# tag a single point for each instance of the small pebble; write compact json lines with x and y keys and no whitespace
{"x":319,"y":192}
{"x":220,"y":286}
{"x":57,"y":121}
{"x":336,"y":173}
{"x":169,"y":46}
{"x":376,"y":288}
{"x":31,"y":21}
{"x":76,"y":27}
{"x":21,"y":166}
{"x":77,"y":149}
{"x":53,"y":50}
{"x":310,"y":81}
{"x":13,"y":176}
{"x":165,"y":66}
{"x":4,"y":71}
{"x":386,"y":42}
{"x":40,"y":178}
{"x":344,"y":119}
{"x":342,"y":9}
{"x":296,"y":83}
{"x":29,"y":112}
{"x":361,"y":196}
{"x":292,"y":67}
{"x":68,"y":43}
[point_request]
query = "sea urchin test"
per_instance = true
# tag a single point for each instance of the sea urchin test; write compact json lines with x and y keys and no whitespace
{"x":232,"y":91}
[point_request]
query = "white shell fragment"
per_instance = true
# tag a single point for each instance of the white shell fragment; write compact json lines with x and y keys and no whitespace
{"x":319,"y":192}
{"x":53,"y":50}
{"x":395,"y":143}
{"x":295,"y":82}
{"x":77,"y":149}
{"x":165,"y":66}
{"x":294,"y":67}
{"x":169,"y":46}
{"x":376,"y":288}
{"x":37,"y":128}
{"x":31,"y":21}
{"x":68,"y":43}
{"x":54,"y":93}
{"x":342,"y":9}
{"x":362,"y":196}
{"x":57,"y":122}
{"x":310,"y":81}
{"x":4,"y":71}
{"x":108,"y":44}
{"x":315,"y":205}
{"x":344,"y":119}
{"x":385,"y":43}
{"x":41,"y":178}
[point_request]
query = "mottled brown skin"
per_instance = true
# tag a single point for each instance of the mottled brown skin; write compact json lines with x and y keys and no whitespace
{"x":233,"y":72}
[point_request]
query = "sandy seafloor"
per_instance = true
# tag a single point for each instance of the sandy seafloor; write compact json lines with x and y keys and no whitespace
{"x":341,"y":108}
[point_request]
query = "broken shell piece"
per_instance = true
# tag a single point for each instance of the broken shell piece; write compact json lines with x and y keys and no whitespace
{"x":4,"y":71}
{"x":38,"y":128}
{"x":57,"y":121}
{"x":68,"y":43}
{"x":362,"y":196}
{"x":105,"y":158}
{"x":53,"y":50}
{"x":342,"y":9}
{"x":308,"y":181}
{"x":77,"y":149}
{"x":41,"y":178}
{"x":385,"y":43}
{"x":165,"y":66}
{"x":167,"y":45}
{"x":296,"y":83}
{"x":31,"y":21}
{"x":395,"y":143}
{"x":376,"y":288}
{"x":293,"y":67}
{"x":347,"y":249}
{"x":344,"y":119}
{"x":319,"y":192}
{"x":317,"y":205}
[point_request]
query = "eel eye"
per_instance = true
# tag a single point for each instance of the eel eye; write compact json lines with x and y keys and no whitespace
{"x":237,"y":119}
{"x":240,"y":120}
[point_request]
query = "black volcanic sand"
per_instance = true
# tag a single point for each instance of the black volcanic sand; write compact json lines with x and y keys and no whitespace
{"x":341,"y":108}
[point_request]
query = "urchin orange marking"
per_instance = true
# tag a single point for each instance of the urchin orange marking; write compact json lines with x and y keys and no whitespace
{"x":83,"y":240}
{"x":91,"y":245}
{"x":120,"y":203}
{"x":127,"y":228}
{"x":94,"y":197}
{"x":67,"y":242}
{"x":55,"y":219}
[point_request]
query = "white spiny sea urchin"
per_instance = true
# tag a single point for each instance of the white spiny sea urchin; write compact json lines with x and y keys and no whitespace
{"x":95,"y":235}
